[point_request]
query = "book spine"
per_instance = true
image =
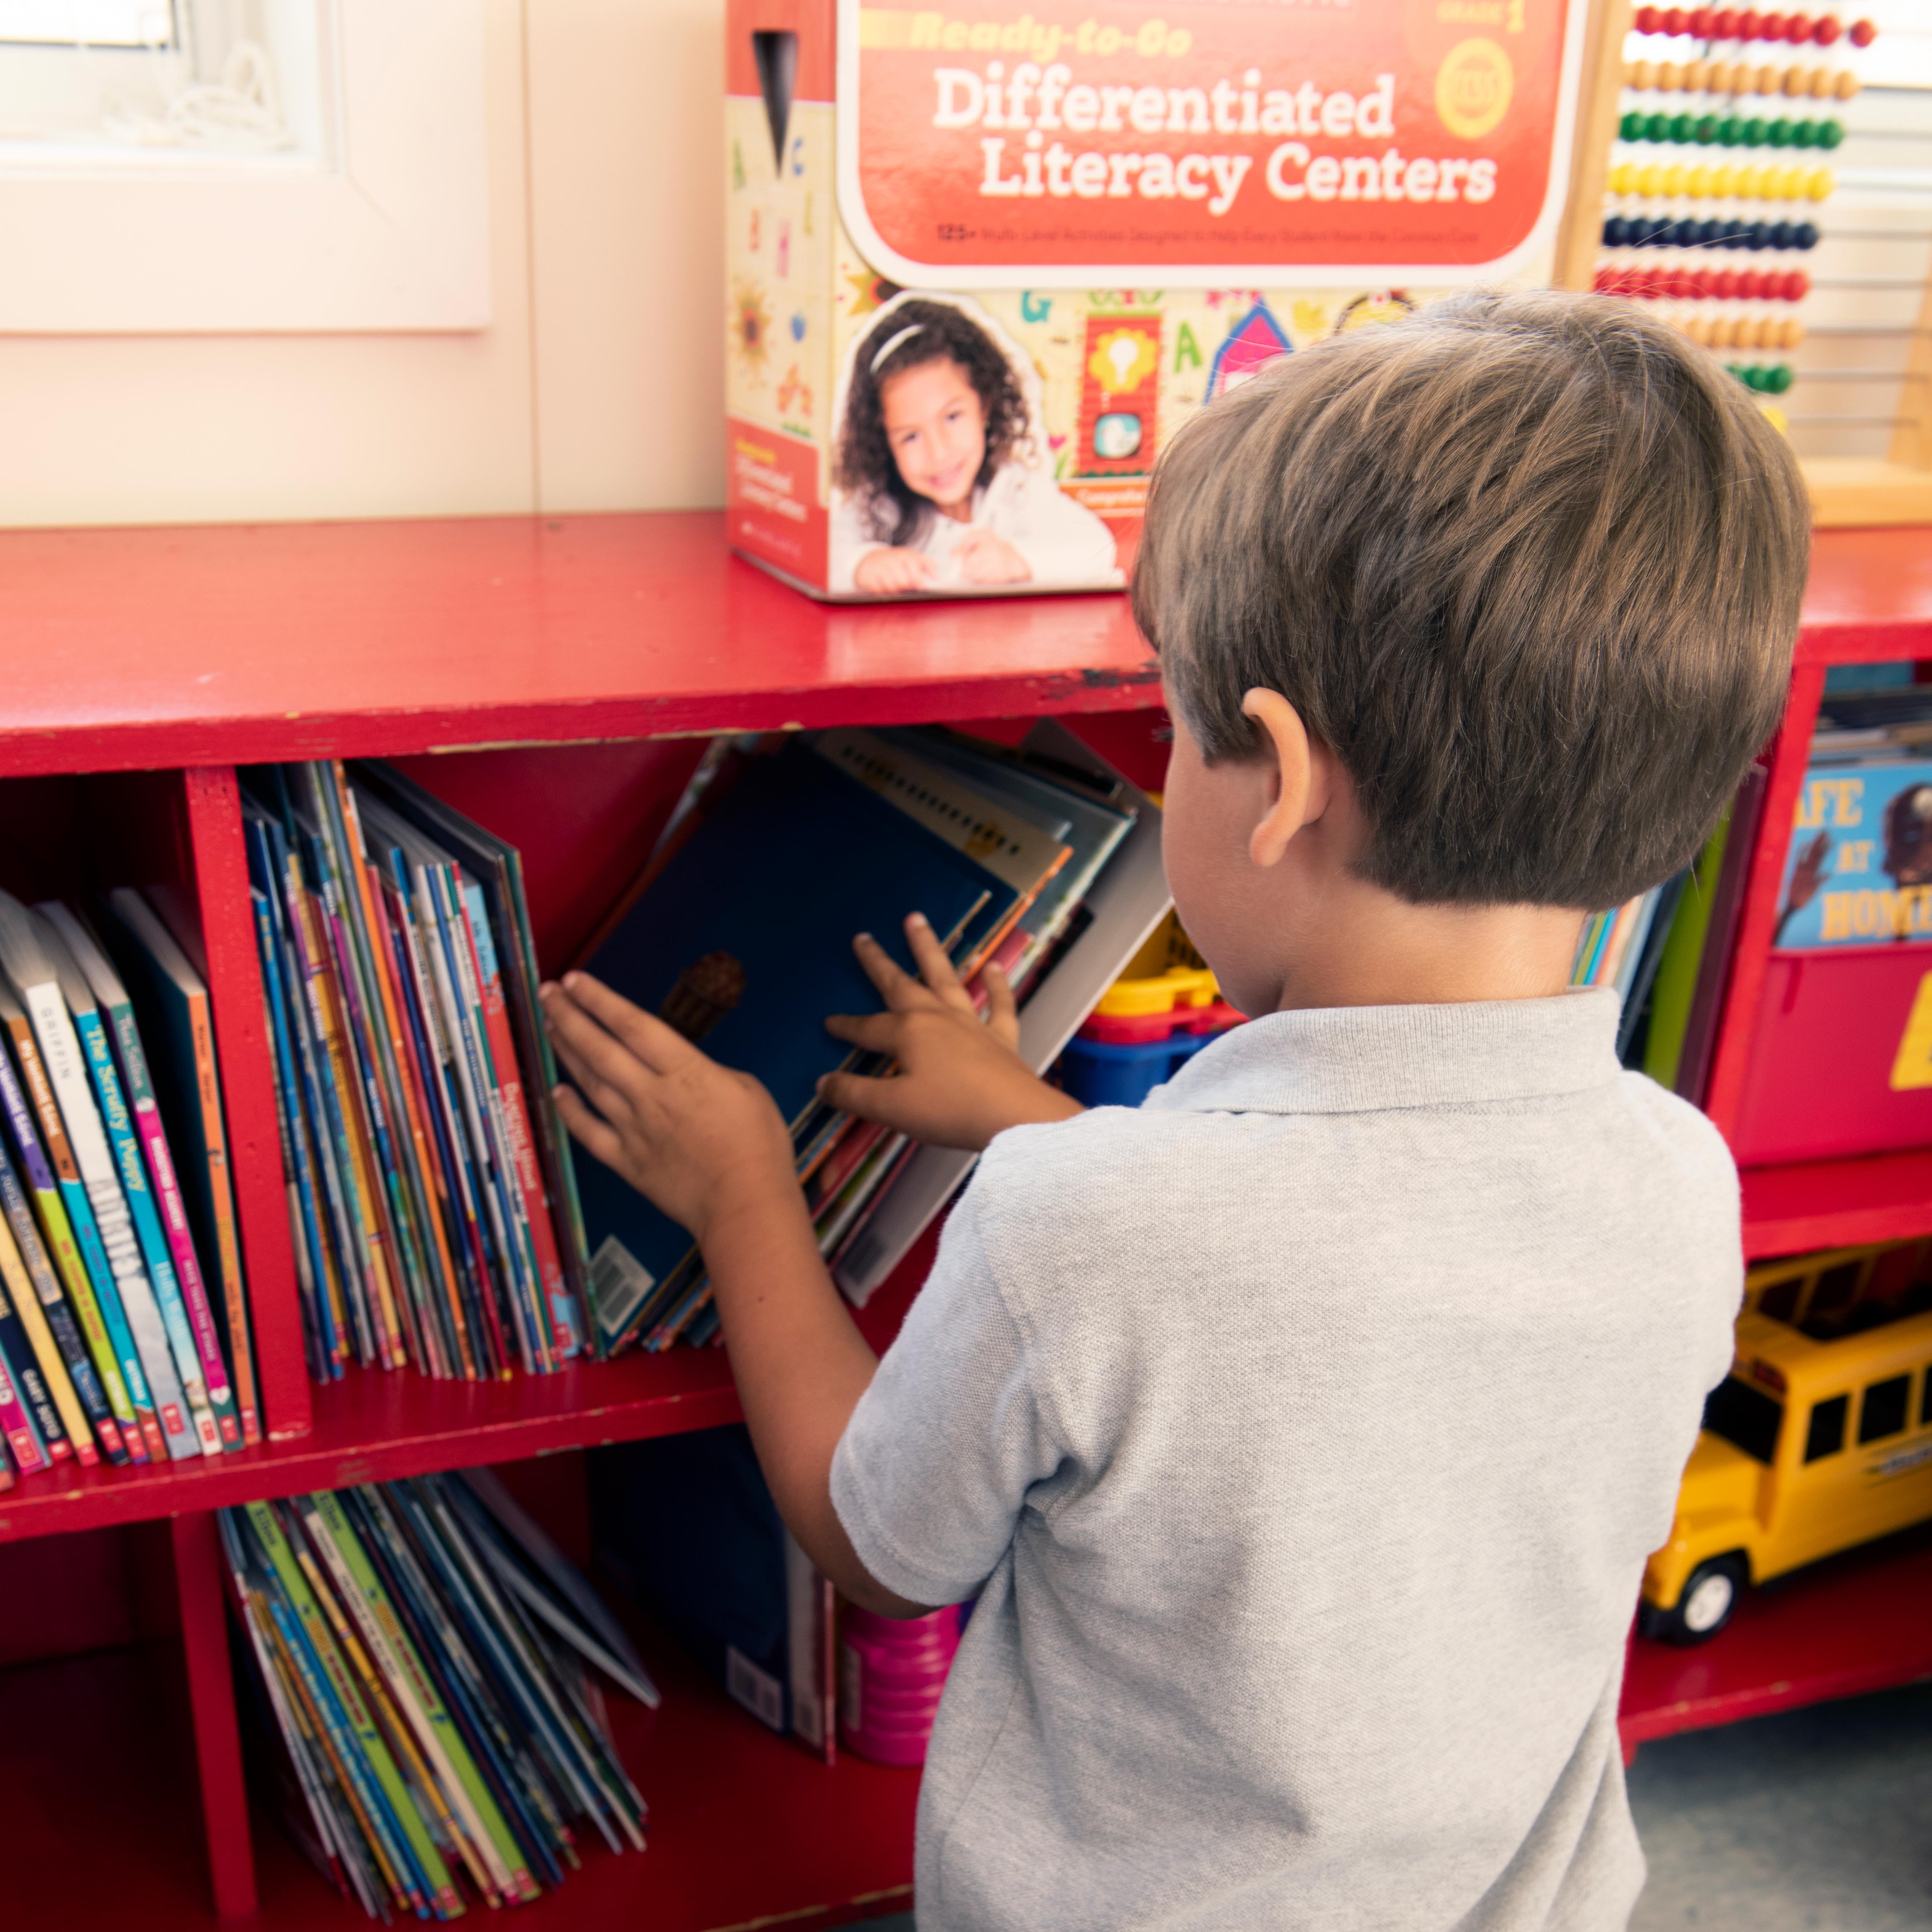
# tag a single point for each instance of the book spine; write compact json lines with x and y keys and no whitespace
{"x":227,"y":1237}
{"x":19,"y":1426}
{"x":43,"y":1082}
{"x":506,"y":1770}
{"x":351,"y":1275}
{"x":372,"y":1246}
{"x":362,"y":886}
{"x":151,"y":1243}
{"x":311,"y":1652}
{"x":438,"y":1212}
{"x":425,"y":1805}
{"x":519,"y":1278}
{"x":19,"y":1318}
{"x":87,"y":1358}
{"x":414,"y":1852}
{"x":553,"y":1147}
{"x":326,"y":1342}
{"x":339,"y":868}
{"x":177,"y":1235}
{"x":533,"y":1325}
{"x":416,"y":1692}
{"x":460,"y":1233}
{"x":443,"y":958}
{"x":66,"y":1061}
{"x":41,"y":1340}
{"x":407,"y":1273}
{"x":423,"y":943}
{"x":558,"y":1307}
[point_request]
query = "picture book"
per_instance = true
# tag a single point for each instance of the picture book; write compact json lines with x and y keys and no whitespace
{"x":83,"y":971}
{"x":436,"y":1737}
{"x":1858,"y":868}
{"x":37,"y":1215}
{"x":169,"y":995}
{"x":743,"y":942}
{"x":45,"y":1045}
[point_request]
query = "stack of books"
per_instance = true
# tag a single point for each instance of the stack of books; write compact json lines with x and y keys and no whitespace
{"x":124,"y":1327}
{"x":421,"y":1689}
{"x":431,"y":1191}
{"x":440,"y":1218}
{"x":739,"y":932}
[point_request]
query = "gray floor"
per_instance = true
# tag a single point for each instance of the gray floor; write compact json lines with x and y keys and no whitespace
{"x":1817,"y":1821}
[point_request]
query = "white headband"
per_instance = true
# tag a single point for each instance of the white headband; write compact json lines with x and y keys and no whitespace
{"x":904,"y":335}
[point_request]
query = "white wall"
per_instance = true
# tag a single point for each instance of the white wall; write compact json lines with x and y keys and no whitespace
{"x":599,"y":384}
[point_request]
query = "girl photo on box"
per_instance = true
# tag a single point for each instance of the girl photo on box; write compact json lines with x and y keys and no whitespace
{"x":942,"y":479}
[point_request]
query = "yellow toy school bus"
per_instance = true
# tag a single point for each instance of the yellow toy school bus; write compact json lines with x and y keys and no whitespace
{"x":1819,"y":1438}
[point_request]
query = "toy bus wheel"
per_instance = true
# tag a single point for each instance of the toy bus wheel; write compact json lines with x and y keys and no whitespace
{"x":1705,"y":1604}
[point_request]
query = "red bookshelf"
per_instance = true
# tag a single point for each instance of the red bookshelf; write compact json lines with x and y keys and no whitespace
{"x":553,"y":677}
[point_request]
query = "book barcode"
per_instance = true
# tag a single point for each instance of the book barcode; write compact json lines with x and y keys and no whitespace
{"x":758,"y":1690}
{"x":618,"y":1281}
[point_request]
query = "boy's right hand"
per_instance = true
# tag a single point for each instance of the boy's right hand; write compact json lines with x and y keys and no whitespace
{"x":960,"y":1081}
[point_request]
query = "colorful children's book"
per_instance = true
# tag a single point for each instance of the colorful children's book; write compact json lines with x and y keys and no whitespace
{"x":49,"y":1058}
{"x":496,"y":868}
{"x":170,"y":996}
{"x":1128,"y":899}
{"x":1858,"y":868}
{"x":57,"y":1349}
{"x":73,"y":1043}
{"x":48,"y":1247}
{"x":131,"y":1117}
{"x":1714,"y":960}
{"x":743,"y":942}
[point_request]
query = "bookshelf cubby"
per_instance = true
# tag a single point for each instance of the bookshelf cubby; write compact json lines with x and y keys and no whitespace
{"x":554,"y":677}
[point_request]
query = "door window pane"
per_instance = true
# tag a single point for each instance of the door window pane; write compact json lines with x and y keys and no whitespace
{"x":1826,"y":1434}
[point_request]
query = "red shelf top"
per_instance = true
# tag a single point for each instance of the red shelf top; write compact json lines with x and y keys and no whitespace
{"x":372,"y":1427}
{"x":1870,"y":597}
{"x":1836,"y":1203}
{"x":226,"y":644}
{"x":222,"y":644}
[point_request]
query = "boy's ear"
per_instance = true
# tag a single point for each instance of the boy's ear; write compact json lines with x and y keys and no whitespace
{"x":1297,"y":781}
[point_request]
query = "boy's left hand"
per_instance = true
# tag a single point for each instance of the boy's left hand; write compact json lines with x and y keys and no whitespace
{"x":697,"y":1139}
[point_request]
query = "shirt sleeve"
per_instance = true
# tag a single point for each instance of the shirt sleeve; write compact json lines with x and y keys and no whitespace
{"x":932,"y":1472}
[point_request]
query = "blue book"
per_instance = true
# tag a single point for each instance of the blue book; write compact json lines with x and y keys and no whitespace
{"x":744,"y":942}
{"x":1859,"y":869}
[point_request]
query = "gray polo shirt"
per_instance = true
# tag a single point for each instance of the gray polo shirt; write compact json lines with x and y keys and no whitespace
{"x":1302,"y":1434}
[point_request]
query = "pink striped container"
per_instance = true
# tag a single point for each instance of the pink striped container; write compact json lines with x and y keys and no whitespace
{"x":891,"y":1672}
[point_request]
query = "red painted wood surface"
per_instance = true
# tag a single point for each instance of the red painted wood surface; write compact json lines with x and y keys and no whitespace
{"x":248,"y":1101}
{"x":1858,"y":1623}
{"x":229,"y":644}
{"x":222,"y":644}
{"x":1790,"y":754}
{"x":99,"y":1827}
{"x":373,"y":1425}
{"x":1832,"y":1204}
{"x":211,"y":1689}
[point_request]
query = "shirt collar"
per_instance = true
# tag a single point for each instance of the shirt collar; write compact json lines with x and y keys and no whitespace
{"x":1348,"y":1060}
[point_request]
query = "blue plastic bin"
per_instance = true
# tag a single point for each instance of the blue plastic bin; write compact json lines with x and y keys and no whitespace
{"x":1100,"y":1073}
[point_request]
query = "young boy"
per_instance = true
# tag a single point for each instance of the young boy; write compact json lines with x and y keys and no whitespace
{"x":1302,"y":1433}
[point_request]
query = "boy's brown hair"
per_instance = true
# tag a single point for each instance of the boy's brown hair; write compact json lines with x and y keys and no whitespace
{"x":1529,"y":564}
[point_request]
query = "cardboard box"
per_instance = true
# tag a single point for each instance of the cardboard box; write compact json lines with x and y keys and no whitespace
{"x":986,"y":258}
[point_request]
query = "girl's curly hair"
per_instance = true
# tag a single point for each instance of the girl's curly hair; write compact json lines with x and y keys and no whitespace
{"x":891,"y":513}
